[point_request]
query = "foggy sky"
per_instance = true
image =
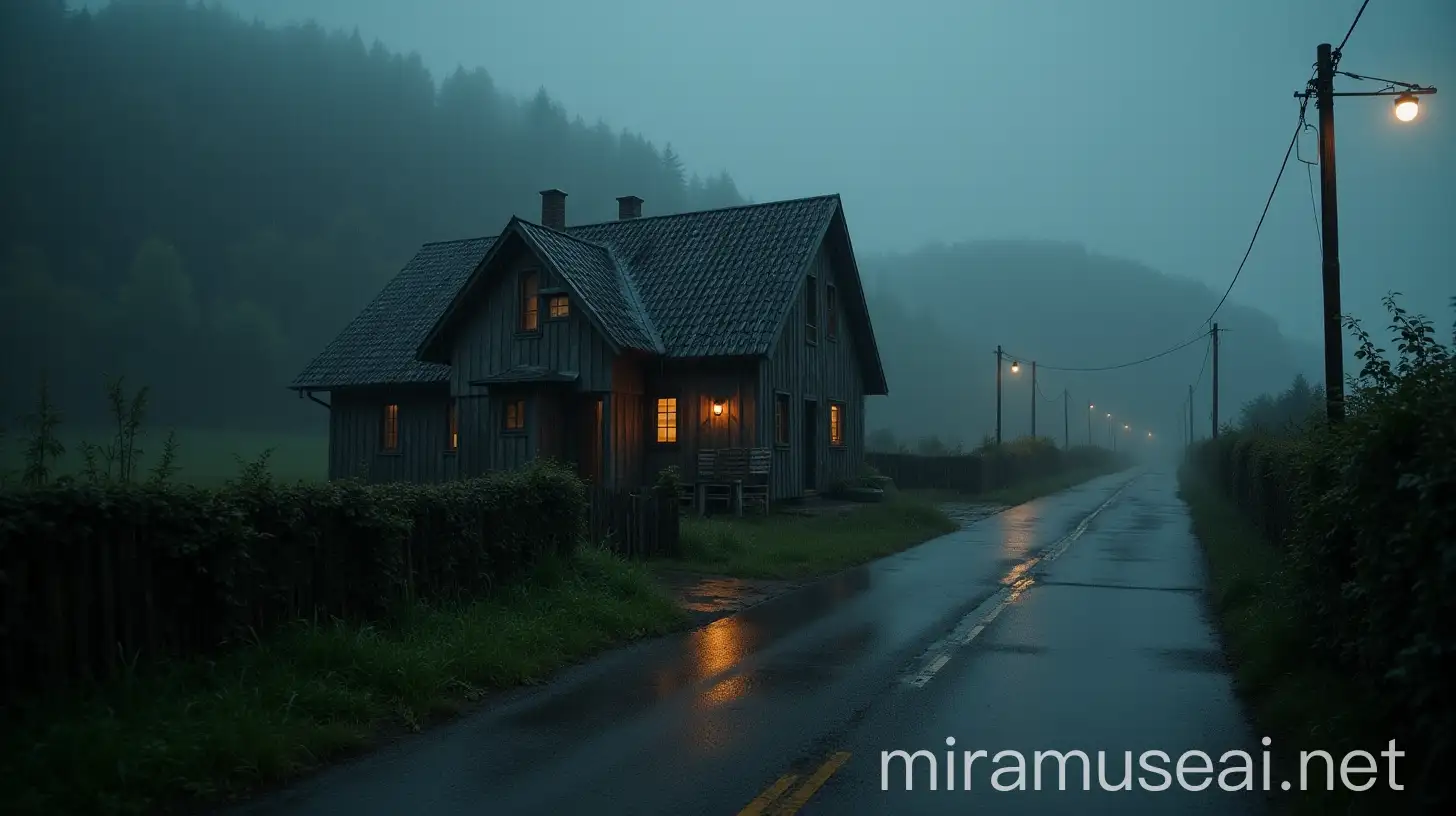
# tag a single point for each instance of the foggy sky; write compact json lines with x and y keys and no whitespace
{"x":1145,"y":129}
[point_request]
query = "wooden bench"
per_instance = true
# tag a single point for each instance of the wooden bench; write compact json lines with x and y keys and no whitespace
{"x":735,"y":477}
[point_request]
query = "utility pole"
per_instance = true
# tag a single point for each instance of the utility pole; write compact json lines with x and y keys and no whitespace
{"x":1089,"y":425}
{"x":1066,"y":421}
{"x":998,"y":395}
{"x":1034,"y":392}
{"x":1324,"y":88}
{"x":1190,"y":414}
{"x":1215,"y":381}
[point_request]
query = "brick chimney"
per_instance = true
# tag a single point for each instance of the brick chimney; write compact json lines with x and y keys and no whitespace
{"x":553,"y":209}
{"x":629,"y":207}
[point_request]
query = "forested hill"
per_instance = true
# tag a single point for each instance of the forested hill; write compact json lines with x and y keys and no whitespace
{"x":941,"y":311}
{"x":200,"y":202}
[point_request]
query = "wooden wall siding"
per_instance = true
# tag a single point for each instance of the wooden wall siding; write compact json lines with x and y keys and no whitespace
{"x":828,"y":371}
{"x":355,"y":421}
{"x":626,"y":425}
{"x":696,"y":385}
{"x":484,"y":447}
{"x":489,"y":343}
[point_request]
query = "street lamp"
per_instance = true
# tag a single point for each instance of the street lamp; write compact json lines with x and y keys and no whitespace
{"x":1015,"y":367}
{"x":1322,"y":89}
{"x":1407,"y":107}
{"x":1090,"y":409}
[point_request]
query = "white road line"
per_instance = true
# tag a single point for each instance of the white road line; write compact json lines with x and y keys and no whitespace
{"x":973,"y":624}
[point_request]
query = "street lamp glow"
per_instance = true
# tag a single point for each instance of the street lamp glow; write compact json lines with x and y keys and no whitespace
{"x":1127,"y":427}
{"x":1015,"y":366}
{"x":1407,"y":107}
{"x":1150,"y":434}
{"x":1109,"y":416}
{"x":1090,"y":407}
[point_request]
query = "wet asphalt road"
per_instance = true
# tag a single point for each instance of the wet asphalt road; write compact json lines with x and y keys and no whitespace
{"x":1103,"y":646}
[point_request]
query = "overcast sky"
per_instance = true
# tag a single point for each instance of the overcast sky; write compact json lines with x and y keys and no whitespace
{"x":1150,"y":129}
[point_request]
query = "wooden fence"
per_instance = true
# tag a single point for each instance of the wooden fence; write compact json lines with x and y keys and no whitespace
{"x":634,"y":525}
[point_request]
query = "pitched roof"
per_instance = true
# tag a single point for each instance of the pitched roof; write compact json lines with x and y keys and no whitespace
{"x":378,"y":347}
{"x":702,"y":284}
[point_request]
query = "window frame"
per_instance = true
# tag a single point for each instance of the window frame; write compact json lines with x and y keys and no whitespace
{"x":657,"y":425}
{"x":528,"y":304}
{"x":831,"y":313}
{"x":836,"y":423}
{"x":811,"y":309}
{"x":519,"y":403}
{"x":452,"y":427}
{"x":551,"y":301}
{"x":783,"y":419}
{"x":389,"y":428}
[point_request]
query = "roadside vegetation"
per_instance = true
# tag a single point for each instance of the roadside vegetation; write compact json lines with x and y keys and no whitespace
{"x":1332,"y":553}
{"x":787,"y":545}
{"x":795,"y":545}
{"x":173,"y":646}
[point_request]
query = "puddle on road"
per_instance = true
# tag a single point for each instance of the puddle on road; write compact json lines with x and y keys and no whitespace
{"x":717,"y":595}
{"x":966,"y":513}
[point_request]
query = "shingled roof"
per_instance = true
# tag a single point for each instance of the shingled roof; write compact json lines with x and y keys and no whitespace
{"x":702,"y":284}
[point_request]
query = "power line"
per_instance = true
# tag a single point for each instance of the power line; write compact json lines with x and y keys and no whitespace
{"x":1351,"y":30}
{"x":1298,"y":129}
{"x":1283,"y":165}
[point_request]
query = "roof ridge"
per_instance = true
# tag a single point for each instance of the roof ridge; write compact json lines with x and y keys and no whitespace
{"x":705,"y":212}
{"x":634,"y":299}
{"x":561,"y":233}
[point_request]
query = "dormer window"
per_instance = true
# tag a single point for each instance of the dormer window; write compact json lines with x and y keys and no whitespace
{"x":558,"y":307}
{"x":530,"y":301}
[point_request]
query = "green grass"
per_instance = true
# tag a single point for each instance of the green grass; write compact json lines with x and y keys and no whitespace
{"x":1294,"y":697}
{"x":206,"y":457}
{"x":197,"y":731}
{"x":1018,"y":494}
{"x":784,"y":545}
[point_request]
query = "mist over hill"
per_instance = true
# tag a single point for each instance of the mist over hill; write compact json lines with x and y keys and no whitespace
{"x":940,"y":312}
{"x":200,"y":202}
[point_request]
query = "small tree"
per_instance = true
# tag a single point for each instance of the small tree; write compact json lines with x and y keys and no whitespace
{"x":44,"y":447}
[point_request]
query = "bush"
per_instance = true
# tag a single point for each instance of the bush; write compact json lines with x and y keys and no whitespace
{"x":1363,"y":510}
{"x":94,"y":573}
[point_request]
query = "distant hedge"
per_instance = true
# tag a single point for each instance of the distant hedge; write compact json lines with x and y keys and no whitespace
{"x":1366,"y":512}
{"x":94,"y":576}
{"x":990,"y":468}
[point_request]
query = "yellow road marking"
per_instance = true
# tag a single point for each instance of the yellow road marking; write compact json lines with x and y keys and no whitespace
{"x":763,"y":800}
{"x":812,"y":785}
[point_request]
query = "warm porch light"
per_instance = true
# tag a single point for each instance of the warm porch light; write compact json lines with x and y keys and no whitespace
{"x":717,"y":409}
{"x":1407,"y":106}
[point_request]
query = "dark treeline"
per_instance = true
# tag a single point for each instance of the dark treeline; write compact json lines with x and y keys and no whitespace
{"x":941,"y":311}
{"x":199,"y":202}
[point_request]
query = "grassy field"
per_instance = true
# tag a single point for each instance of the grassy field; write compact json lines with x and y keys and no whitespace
{"x":1298,"y":701}
{"x":204,"y":457}
{"x":200,"y":731}
{"x":1018,"y":494}
{"x":783,"y":545}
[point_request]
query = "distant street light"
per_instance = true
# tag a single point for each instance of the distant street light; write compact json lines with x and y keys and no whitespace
{"x":1090,"y":409}
{"x":1015,"y":367}
{"x":1150,"y":434}
{"x":1322,"y":90}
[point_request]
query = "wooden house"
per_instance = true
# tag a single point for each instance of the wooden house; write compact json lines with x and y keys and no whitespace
{"x":621,"y":347}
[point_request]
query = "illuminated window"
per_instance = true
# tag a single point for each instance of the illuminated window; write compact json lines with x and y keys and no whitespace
{"x":389,"y":428}
{"x":836,"y":424}
{"x":515,"y":415}
{"x":558,"y":306}
{"x":781,"y":419}
{"x":452,"y":422}
{"x":667,"y":419}
{"x":530,"y":302}
{"x":831,"y":314}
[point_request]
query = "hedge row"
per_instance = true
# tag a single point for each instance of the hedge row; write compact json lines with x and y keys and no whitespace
{"x":93,"y":577}
{"x":1367,"y":514}
{"x":990,"y":468}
